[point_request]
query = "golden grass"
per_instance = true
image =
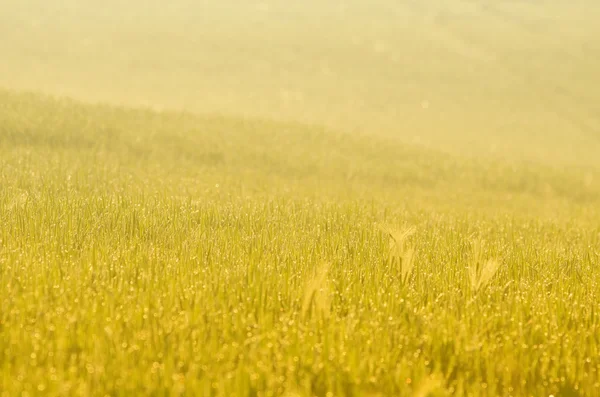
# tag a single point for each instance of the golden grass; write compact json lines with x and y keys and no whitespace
{"x":169,"y":254}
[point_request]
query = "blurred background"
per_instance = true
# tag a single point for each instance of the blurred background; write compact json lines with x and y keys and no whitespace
{"x":485,"y":78}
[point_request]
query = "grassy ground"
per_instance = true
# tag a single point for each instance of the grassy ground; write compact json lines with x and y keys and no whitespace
{"x":362,"y":198}
{"x":172,"y":254}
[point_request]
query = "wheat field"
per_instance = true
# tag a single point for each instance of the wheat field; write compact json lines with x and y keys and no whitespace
{"x":173,"y":225}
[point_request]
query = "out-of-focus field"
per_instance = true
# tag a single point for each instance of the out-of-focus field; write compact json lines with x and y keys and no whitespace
{"x":359,"y":199}
{"x":497,"y":78}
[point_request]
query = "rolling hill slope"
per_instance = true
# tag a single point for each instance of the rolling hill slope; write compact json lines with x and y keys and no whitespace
{"x":487,"y":79}
{"x":147,"y":252}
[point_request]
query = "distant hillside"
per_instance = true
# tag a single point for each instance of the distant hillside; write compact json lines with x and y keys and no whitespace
{"x":501,"y":79}
{"x":48,"y":139}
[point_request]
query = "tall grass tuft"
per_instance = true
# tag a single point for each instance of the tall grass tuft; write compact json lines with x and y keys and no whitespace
{"x":317,"y":302}
{"x":481,"y":271}
{"x":401,"y":253}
